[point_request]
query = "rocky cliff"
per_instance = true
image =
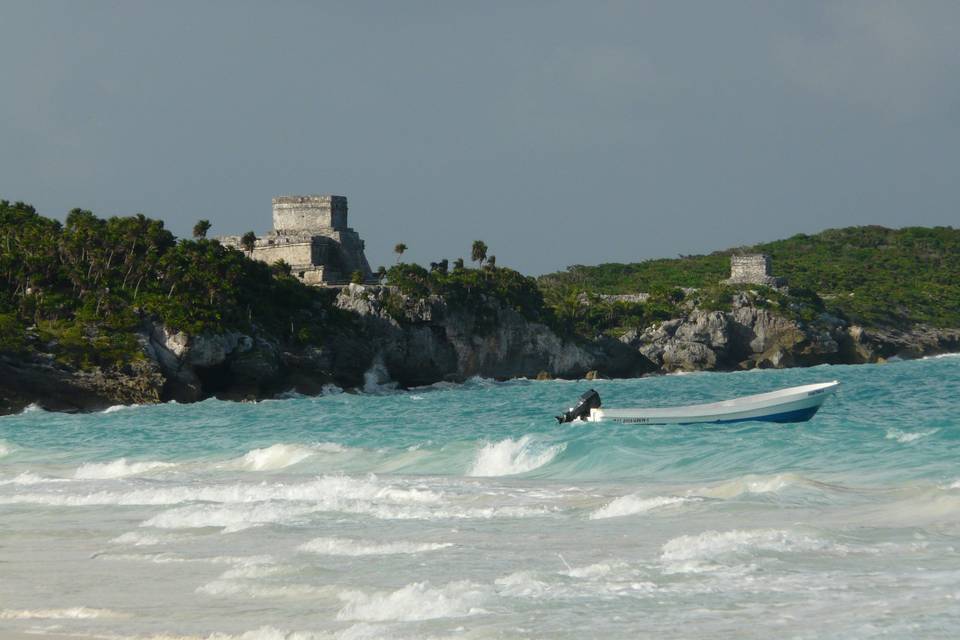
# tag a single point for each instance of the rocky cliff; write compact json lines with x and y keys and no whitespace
{"x":419,"y":341}
{"x":750,"y":336}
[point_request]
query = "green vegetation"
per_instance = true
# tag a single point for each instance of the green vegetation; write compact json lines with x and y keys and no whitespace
{"x":81,"y":289}
{"x":871,"y":275}
{"x":474,"y":289}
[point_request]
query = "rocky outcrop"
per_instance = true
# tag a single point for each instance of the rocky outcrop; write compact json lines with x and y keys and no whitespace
{"x":54,"y":386}
{"x":743,"y":338}
{"x":426,"y":340}
{"x":375,"y":335}
{"x":870,"y":345}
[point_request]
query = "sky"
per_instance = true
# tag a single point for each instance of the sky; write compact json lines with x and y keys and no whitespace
{"x":559,"y":132}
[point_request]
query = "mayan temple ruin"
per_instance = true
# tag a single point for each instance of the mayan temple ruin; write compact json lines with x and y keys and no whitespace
{"x":753,"y":269}
{"x":310,"y":233}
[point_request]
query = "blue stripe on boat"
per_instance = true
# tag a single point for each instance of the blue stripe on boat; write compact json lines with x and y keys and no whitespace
{"x":798,"y":415}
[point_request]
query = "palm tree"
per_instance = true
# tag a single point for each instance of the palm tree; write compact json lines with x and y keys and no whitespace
{"x":479,"y":251}
{"x":200,"y":229}
{"x":492,"y":262}
{"x":248,"y":241}
{"x":399,"y":249}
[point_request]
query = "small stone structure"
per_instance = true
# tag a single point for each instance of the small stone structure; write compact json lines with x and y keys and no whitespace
{"x":310,"y":233}
{"x":753,"y":269}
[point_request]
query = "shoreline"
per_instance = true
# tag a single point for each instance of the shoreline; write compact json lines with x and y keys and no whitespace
{"x":36,"y":405}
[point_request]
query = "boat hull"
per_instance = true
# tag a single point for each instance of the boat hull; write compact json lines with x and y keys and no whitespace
{"x":796,"y":404}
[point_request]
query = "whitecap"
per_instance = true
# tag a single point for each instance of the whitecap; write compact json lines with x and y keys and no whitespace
{"x":752,"y":484}
{"x":122,"y":407}
{"x":522,"y":584}
{"x":277,"y":456}
{"x":349,"y":547}
{"x":231,"y":518}
{"x":29,"y":478}
{"x":712,"y":550}
{"x":72,"y":613}
{"x":633,"y":504}
{"x":376,"y":379}
{"x":325,"y":492}
{"x":5,"y":448}
{"x":510,"y":457}
{"x":590,"y":572}
{"x":245,"y":579}
{"x":416,"y":601}
{"x":118,"y":469}
{"x":253,"y":590}
{"x":139,"y":539}
{"x":906,"y":437}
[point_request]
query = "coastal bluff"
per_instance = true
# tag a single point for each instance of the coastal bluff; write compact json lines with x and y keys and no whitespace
{"x":409,"y":341}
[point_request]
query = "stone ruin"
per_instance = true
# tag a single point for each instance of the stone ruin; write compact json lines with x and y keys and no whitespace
{"x":753,"y":269}
{"x":310,"y":233}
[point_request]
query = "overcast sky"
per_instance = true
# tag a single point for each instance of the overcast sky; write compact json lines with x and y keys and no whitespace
{"x":559,"y":133}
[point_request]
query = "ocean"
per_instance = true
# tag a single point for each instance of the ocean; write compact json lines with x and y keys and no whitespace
{"x":465,"y":511}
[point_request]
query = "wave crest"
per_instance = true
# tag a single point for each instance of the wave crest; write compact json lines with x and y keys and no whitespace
{"x":633,"y":504}
{"x":416,"y":601}
{"x":348,"y":547}
{"x":510,"y":457}
{"x":117,"y":469}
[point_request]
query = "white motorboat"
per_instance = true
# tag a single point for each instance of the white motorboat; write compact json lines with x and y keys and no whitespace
{"x":795,"y":404}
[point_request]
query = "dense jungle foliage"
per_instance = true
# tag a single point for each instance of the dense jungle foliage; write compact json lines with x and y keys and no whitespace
{"x":872,"y":275}
{"x":82,"y":287}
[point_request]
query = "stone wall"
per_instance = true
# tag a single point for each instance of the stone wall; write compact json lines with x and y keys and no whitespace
{"x":299,"y":214}
{"x":311,"y":235}
{"x":753,"y":269}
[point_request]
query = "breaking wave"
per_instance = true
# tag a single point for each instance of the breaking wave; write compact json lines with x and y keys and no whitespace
{"x":118,"y":469}
{"x":72,"y":613}
{"x":348,"y":547}
{"x":416,"y":601}
{"x":28,"y":478}
{"x":632,"y":504}
{"x":277,"y":456}
{"x":510,"y":457}
{"x":713,"y":550}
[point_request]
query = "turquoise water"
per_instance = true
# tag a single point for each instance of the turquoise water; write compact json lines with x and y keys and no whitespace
{"x":466,"y":512}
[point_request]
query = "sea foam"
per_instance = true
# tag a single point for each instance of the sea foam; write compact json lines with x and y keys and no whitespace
{"x":416,"y":601}
{"x":712,"y":550}
{"x":906,"y":437}
{"x":510,"y":457}
{"x":278,"y":456}
{"x":71,"y":613}
{"x":348,"y":547}
{"x":118,"y":469}
{"x":632,"y":504}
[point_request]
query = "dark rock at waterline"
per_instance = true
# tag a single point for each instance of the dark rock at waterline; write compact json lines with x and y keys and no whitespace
{"x":53,"y":386}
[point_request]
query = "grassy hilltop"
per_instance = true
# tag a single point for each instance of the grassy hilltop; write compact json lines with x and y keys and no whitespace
{"x":870,"y":275}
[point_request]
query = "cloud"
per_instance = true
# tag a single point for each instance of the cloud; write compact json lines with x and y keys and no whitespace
{"x":898,"y":59}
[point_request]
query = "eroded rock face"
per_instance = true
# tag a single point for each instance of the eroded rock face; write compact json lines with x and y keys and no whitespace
{"x":56,"y":387}
{"x":424,"y":341}
{"x":743,"y":338}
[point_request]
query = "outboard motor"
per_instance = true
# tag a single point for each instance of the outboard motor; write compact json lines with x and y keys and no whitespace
{"x":589,"y":400}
